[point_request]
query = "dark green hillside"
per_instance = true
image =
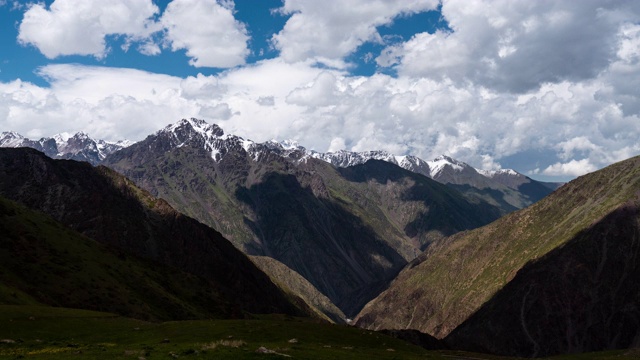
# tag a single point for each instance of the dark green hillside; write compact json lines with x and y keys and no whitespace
{"x":105,"y":206}
{"x":37,"y":332}
{"x":45,"y":262}
{"x":560,"y":274}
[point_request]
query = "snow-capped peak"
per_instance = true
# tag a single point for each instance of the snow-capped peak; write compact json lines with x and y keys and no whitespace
{"x":11,"y":139}
{"x":441,"y":162}
{"x":78,"y":146}
{"x":290,"y":144}
{"x":62,"y":138}
{"x":345,"y":158}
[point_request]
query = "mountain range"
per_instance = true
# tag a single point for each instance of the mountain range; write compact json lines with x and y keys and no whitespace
{"x":505,"y":188}
{"x":78,"y":146}
{"x":348,"y":231}
{"x":356,"y":217}
{"x":484,"y":261}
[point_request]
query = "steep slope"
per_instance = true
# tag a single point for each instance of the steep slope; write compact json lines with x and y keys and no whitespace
{"x":45,"y":262}
{"x":293,"y":283}
{"x":559,"y":276}
{"x":346,"y":232}
{"x":107,"y":207}
{"x":79,"y":146}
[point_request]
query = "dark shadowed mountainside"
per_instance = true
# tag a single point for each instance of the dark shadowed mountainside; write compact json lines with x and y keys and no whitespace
{"x":45,"y":262}
{"x":105,"y":206}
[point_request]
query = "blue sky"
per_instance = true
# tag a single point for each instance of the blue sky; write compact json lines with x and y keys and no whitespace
{"x":549,"y":88}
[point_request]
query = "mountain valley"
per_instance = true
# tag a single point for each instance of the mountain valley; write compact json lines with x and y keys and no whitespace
{"x":348,"y":231}
{"x":484,"y":261}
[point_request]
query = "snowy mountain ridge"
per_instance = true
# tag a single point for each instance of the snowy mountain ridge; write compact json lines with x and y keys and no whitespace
{"x":213,"y":139}
{"x":199,"y":133}
{"x":78,"y":146}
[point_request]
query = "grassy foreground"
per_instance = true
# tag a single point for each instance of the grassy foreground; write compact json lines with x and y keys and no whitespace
{"x":41,"y":332}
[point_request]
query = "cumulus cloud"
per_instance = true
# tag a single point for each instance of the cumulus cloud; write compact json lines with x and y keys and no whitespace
{"x":516,"y":46}
{"x":216,"y":113}
{"x":337,"y":144}
{"x":332,"y":29}
{"x":266,"y":101}
{"x":208,"y":31}
{"x":108,"y":103}
{"x":322,"y":92}
{"x":202,"y":87}
{"x":71,"y":27}
{"x":571,"y":168}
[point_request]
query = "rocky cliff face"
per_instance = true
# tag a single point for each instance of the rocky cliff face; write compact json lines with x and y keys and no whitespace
{"x":560,"y":276}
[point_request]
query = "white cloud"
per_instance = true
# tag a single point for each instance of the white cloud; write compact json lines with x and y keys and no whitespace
{"x":337,"y":144}
{"x":332,"y":29}
{"x":516,"y":46}
{"x":208,"y":31}
{"x":571,"y":168}
{"x":266,"y":101}
{"x":202,"y":87}
{"x":216,"y":113}
{"x":623,"y":84}
{"x":322,"y":92}
{"x":108,"y":103}
{"x":92,"y":84}
{"x":72,"y":27}
{"x":576,"y":145}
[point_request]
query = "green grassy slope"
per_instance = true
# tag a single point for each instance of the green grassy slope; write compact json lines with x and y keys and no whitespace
{"x":49,"y":333}
{"x":293,"y":283}
{"x":455,"y":277}
{"x":45,"y":262}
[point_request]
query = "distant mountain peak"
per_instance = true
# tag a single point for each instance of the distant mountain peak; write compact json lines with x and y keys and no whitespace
{"x":290,"y":144}
{"x":78,"y":146}
{"x":440,"y":163}
{"x":10,"y":139}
